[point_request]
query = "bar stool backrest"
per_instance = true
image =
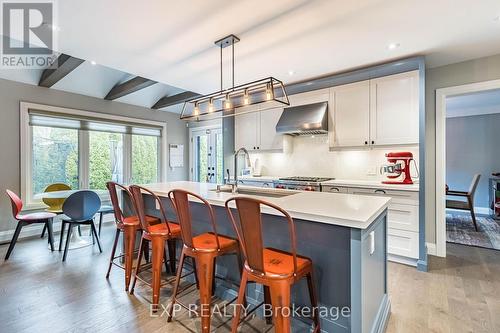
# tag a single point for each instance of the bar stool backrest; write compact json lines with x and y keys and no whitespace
{"x":137,"y":192}
{"x":16,"y":202}
{"x":180,"y":200}
{"x":113,"y":193}
{"x":249,"y":230}
{"x":82,"y":205}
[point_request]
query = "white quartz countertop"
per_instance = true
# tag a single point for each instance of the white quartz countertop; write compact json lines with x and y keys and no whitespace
{"x":259,"y":178}
{"x":349,"y":210}
{"x":370,"y":184}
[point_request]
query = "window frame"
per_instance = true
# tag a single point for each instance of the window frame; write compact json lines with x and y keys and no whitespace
{"x":83,"y":147}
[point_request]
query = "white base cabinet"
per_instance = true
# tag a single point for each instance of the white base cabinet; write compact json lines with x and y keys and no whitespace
{"x":402,"y":221}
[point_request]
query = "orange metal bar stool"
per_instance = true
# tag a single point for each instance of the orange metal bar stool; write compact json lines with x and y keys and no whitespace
{"x":275,"y":269}
{"x":158,"y":234}
{"x":129,"y":226}
{"x":203,"y":249}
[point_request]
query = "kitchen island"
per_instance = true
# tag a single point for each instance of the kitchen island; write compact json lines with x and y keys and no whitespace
{"x":343,"y":234}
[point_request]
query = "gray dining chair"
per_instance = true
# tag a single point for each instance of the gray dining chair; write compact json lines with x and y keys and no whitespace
{"x":467,"y":205}
{"x":80,"y":208}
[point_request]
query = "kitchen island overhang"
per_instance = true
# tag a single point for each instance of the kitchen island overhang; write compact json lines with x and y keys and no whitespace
{"x":344,"y":235}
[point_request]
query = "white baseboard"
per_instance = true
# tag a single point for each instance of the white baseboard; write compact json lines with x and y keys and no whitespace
{"x":36,"y":229}
{"x":431,"y":249}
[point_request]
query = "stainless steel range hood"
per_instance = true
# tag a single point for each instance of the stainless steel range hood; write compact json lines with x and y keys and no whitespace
{"x":304,"y":120}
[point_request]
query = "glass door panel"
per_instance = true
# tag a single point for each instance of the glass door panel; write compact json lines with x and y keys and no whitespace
{"x":207,"y":156}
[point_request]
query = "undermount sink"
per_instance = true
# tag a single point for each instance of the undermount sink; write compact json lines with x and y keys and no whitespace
{"x":261,"y":193}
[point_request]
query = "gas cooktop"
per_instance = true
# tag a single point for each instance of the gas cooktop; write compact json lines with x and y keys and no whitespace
{"x":306,"y":179}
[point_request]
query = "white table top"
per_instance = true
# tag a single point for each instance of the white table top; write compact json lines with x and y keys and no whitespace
{"x":66,"y":193}
{"x":354,"y":211}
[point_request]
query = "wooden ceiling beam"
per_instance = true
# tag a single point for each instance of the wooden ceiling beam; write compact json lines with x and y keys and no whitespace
{"x":128,"y":87}
{"x":65,"y":65}
{"x":175,"y":99}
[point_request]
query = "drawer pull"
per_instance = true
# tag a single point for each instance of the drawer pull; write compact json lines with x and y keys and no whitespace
{"x":380,"y":191}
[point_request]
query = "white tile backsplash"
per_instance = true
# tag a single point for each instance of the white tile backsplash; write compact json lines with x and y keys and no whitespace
{"x":311,"y":157}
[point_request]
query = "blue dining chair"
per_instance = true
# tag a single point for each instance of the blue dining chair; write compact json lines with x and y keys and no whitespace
{"x":80,"y":208}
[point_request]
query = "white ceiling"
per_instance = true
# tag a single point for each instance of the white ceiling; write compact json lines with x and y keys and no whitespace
{"x":172,"y":41}
{"x":474,"y":104}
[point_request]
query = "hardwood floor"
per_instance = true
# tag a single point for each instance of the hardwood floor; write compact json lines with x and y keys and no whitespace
{"x":39,"y":293}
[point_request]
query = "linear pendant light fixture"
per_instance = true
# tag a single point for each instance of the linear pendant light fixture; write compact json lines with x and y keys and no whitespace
{"x":268,"y":90}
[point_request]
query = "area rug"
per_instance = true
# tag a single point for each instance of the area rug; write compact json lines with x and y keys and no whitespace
{"x":460,"y":230}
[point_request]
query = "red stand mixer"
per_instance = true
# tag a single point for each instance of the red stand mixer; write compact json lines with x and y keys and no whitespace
{"x":398,"y":171}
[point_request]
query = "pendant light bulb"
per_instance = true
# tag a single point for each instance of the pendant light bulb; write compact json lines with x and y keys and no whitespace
{"x":211,"y":105}
{"x":269,"y":92}
{"x":227,"y":102}
{"x":196,"y":110}
{"x":246,"y":98}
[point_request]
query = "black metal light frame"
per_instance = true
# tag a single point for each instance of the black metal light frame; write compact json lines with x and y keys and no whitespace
{"x":267,"y":90}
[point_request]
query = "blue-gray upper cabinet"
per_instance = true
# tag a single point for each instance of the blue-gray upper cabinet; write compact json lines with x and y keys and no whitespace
{"x":377,"y":112}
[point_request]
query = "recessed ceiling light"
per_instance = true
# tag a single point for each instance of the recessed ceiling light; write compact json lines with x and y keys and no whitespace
{"x":290,"y":72}
{"x":393,"y":46}
{"x":93,"y":63}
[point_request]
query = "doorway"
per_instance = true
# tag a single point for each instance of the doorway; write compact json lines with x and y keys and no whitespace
{"x":206,"y":154}
{"x":464,"y":191}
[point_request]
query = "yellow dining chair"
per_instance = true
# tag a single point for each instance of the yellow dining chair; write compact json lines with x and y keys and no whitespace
{"x":54,"y":205}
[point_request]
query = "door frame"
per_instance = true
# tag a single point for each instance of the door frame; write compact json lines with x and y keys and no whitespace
{"x":441,"y":95}
{"x":191,"y":144}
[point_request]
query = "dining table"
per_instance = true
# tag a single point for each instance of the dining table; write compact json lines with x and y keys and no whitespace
{"x":77,"y":241}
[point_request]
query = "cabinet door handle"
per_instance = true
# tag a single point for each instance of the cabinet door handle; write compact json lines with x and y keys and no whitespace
{"x":253,"y":147}
{"x":373,"y":142}
{"x":366,"y":142}
{"x":334,"y":189}
{"x":380,"y":191}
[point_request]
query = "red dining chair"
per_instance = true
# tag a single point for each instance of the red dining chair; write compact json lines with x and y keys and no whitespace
{"x":27,"y":219}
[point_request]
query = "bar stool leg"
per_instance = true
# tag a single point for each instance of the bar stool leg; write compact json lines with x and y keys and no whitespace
{"x":314,"y":300}
{"x":240,"y":302}
{"x":205,"y":270}
{"x":267,"y":302}
{"x":113,"y":251}
{"x":172,"y":246}
{"x":157,"y":256}
{"x":176,"y":286}
{"x":280,"y":299}
{"x":129,"y":235}
{"x":137,"y":265}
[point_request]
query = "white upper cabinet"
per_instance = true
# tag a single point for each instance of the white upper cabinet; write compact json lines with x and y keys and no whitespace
{"x":350,"y":111}
{"x":245,"y":129}
{"x":269,"y":139}
{"x":394,"y":110}
{"x":256,"y":130}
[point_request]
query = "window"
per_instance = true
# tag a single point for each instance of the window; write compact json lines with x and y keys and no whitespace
{"x":144,"y":159}
{"x":86,"y":150}
{"x":55,"y":157}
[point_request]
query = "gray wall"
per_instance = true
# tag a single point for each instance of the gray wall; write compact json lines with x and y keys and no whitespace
{"x":11,"y":93}
{"x":472,"y":147}
{"x":472,"y":71}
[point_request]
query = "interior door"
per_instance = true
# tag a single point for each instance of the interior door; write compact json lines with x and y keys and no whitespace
{"x":207,"y":155}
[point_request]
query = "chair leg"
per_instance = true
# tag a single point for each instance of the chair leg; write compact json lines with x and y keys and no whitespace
{"x":14,"y":239}
{"x":195,"y":274}
{"x":157,"y":256}
{"x":63,"y":226}
{"x":100,"y":223}
{"x":68,"y":237}
{"x":172,"y":247}
{"x":165,"y":261}
{"x":145,"y":251}
{"x":138,"y":264}
{"x":473,"y":215}
{"x":43,"y":231}
{"x":176,"y":287}
{"x":267,"y":302}
{"x":113,"y":250}
{"x":240,"y":302}
{"x":129,"y":237}
{"x":205,"y":271}
{"x":79,"y":231}
{"x":280,"y":299}
{"x":95,"y":235}
{"x":50,"y":232}
{"x":314,"y":300}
